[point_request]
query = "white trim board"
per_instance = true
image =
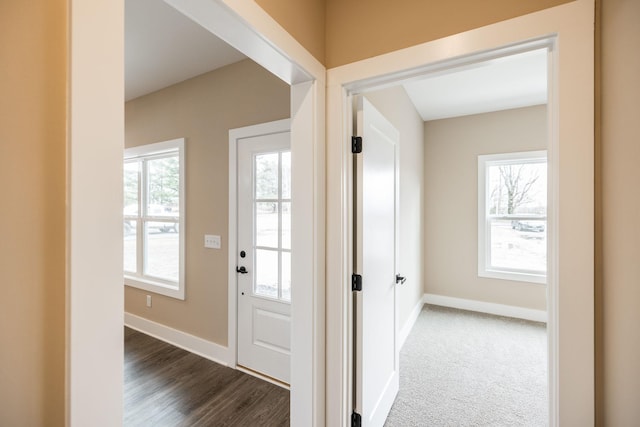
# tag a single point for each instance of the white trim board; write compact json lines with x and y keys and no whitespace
{"x":487,"y":307}
{"x":222,"y":20}
{"x":262,"y":377}
{"x":191,"y":343}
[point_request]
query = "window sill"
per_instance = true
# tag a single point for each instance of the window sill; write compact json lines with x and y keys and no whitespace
{"x":513,"y":276}
{"x":157,"y":287}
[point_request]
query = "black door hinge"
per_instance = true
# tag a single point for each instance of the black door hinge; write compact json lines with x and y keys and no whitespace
{"x":356,"y":282}
{"x":356,"y":420}
{"x":356,"y":144}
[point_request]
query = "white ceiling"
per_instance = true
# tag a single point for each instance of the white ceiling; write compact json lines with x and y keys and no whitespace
{"x":499,"y":84}
{"x":164,"y":47}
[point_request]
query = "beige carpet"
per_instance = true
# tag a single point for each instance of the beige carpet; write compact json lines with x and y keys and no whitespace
{"x":460,"y":368}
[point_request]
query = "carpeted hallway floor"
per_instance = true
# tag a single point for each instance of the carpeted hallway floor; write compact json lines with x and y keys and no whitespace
{"x":460,"y":368}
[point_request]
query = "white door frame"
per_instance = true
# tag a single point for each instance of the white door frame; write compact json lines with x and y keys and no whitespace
{"x":97,"y":102}
{"x":235,"y":135}
{"x":570,"y":31}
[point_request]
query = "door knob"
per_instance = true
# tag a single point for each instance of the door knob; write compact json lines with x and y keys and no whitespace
{"x":241,"y":270}
{"x":400,"y":279}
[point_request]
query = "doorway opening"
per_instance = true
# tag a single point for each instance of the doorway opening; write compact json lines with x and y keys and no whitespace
{"x":276,"y":88}
{"x":451,"y":136}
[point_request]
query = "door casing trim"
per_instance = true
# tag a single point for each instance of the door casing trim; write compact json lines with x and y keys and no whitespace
{"x":568,"y":32}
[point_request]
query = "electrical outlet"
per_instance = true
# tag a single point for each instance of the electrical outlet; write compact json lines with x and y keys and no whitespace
{"x":148,"y":300}
{"x":211,"y":241}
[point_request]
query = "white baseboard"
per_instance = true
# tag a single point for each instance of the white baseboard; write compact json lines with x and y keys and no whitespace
{"x":263,"y":377}
{"x":487,"y":307}
{"x":201,"y":347}
{"x":408,"y":325}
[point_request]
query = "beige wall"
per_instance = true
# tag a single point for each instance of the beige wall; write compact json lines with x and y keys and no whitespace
{"x":202,"y":110}
{"x":358,"y":30}
{"x":303,"y":19}
{"x":619,"y":341}
{"x":451,"y":154}
{"x":396,"y":106}
{"x":33,"y":54}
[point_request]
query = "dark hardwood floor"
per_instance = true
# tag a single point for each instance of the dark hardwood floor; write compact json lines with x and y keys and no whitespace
{"x":167,"y":386}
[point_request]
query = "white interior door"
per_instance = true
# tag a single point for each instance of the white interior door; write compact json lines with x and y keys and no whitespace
{"x":264,"y":254}
{"x":376,"y":197}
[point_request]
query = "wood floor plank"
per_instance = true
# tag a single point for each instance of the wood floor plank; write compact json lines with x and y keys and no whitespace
{"x":168,"y":386}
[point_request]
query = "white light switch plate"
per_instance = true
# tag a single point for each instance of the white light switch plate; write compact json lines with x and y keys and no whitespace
{"x":211,"y":241}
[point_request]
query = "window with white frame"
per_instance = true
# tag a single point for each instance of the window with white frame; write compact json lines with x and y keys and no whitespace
{"x":512,"y":216}
{"x":154,"y":217}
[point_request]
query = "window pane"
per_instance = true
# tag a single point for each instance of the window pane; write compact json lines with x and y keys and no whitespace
{"x":266,"y":175}
{"x":286,"y":225}
{"x":130,"y":178}
{"x":267,"y":224}
{"x":266,"y":281}
{"x":517,"y":189}
{"x":163,"y":183}
{"x":519,"y":245}
{"x":286,"y":276}
{"x":130,"y":246}
{"x":162,"y":250}
{"x":286,"y":175}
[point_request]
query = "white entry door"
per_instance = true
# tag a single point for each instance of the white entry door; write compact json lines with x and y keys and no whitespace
{"x":264,"y":254}
{"x":376,"y":196}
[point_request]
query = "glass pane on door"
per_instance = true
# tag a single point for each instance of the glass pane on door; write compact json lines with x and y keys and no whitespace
{"x":266,"y":176}
{"x":266,"y":279}
{"x":267,"y":224}
{"x":272,"y":225}
{"x":286,"y":225}
{"x":286,"y":276}
{"x":286,"y":175}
